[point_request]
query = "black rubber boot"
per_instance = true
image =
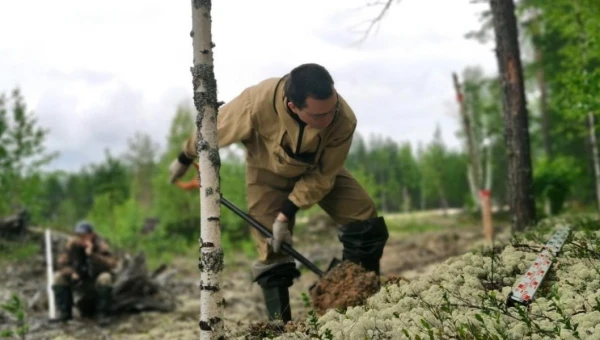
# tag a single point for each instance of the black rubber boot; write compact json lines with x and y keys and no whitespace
{"x":277,"y":300}
{"x":63,"y":297}
{"x":364,"y":242}
{"x":103,"y":303}
{"x":275,"y":284}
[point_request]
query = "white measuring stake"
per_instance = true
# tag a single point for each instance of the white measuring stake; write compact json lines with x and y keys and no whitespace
{"x":50,"y":276}
{"x":525,"y":289}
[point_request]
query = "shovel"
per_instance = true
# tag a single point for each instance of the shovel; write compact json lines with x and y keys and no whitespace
{"x":284,"y":246}
{"x":194,"y":184}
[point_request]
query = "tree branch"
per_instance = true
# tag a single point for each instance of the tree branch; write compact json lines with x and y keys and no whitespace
{"x":386,"y":6}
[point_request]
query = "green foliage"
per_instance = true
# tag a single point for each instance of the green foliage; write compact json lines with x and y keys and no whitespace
{"x":442,"y":188}
{"x":15,"y":307}
{"x":178,"y":210}
{"x":554,"y":179}
{"x":233,"y":187}
{"x":388,"y":170}
{"x":120,"y":192}
{"x":141,"y":157}
{"x":368,"y":182}
{"x":11,"y":251}
{"x":22,"y":154}
{"x":561,"y":55}
{"x":483,"y":105}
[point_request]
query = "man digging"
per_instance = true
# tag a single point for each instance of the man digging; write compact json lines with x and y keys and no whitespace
{"x":297,"y":131}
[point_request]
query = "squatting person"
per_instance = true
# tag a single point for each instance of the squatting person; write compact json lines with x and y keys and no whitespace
{"x":85,"y":267}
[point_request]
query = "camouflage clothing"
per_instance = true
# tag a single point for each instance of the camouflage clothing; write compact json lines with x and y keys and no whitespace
{"x":90,"y":275}
{"x":96,"y":266}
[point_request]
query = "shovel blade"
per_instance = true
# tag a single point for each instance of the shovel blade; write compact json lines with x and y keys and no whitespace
{"x":334,"y":263}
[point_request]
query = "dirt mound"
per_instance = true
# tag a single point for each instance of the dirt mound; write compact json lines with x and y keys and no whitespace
{"x":261,"y":330}
{"x":346,"y":285}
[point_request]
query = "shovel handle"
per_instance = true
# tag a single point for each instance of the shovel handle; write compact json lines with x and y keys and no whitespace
{"x":285,"y":246}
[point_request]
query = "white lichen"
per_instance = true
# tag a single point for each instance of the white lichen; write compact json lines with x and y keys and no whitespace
{"x":455,"y":300}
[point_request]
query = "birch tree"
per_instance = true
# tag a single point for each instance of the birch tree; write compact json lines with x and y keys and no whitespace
{"x":473,"y":170}
{"x":205,"y":101}
{"x":588,"y":77}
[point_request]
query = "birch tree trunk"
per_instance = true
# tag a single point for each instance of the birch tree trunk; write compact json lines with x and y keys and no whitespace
{"x":520,"y":182}
{"x":205,"y":101}
{"x":487,"y":145}
{"x":474,"y":178}
{"x":590,"y":115}
{"x":473,"y":187}
{"x":595,"y":156}
{"x":533,"y":16}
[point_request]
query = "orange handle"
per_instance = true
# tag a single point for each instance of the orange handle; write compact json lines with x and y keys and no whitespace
{"x":192,"y":184}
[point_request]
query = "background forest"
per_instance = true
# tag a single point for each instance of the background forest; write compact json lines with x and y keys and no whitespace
{"x":128,"y":197}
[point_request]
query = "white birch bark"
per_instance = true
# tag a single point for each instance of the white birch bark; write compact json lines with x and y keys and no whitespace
{"x":473,"y":169}
{"x":473,"y":186}
{"x":595,"y":155}
{"x":590,"y":115}
{"x":205,"y":101}
{"x":487,"y":144}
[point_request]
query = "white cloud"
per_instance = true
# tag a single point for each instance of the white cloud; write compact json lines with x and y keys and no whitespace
{"x":95,"y":74}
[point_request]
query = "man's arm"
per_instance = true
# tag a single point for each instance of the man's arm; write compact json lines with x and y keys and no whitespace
{"x":234,"y":124}
{"x":64,"y":265}
{"x":314,"y":185}
{"x":104,"y":256}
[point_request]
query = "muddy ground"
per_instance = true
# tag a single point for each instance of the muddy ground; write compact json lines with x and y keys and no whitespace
{"x":406,"y":255}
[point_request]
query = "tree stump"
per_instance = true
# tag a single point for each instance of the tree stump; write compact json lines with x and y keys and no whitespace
{"x":137,"y":290}
{"x":15,"y":225}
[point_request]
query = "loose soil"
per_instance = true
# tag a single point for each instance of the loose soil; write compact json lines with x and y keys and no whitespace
{"x":346,"y":285}
{"x":405,"y":257}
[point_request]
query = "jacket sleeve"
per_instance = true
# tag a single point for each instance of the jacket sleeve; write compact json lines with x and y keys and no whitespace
{"x":104,"y":255}
{"x":234,"y":124}
{"x":314,"y":185}
{"x":63,"y":259}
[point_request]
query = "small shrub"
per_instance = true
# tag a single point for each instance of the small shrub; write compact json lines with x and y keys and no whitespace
{"x":15,"y":307}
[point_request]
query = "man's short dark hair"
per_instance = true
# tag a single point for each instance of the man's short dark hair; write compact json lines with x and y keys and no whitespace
{"x":308,"y":80}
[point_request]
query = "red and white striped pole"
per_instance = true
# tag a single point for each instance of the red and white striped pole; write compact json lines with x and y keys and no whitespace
{"x":525,"y":289}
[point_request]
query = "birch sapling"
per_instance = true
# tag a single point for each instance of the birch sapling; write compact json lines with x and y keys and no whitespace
{"x":205,"y":101}
{"x":473,"y":167}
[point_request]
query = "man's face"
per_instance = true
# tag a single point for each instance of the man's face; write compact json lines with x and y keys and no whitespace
{"x":86,"y":238}
{"x":318,"y":114}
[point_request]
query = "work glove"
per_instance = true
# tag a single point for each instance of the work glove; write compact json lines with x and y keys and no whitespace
{"x":177,"y":169}
{"x":281,"y":233}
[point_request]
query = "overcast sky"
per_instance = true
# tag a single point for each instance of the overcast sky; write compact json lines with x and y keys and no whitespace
{"x":94,"y":73}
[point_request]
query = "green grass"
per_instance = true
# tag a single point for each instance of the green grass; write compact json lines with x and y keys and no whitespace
{"x":17,"y":251}
{"x":430,"y":223}
{"x":413,"y":227}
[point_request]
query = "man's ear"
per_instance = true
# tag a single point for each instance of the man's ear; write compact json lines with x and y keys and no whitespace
{"x":292,"y":107}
